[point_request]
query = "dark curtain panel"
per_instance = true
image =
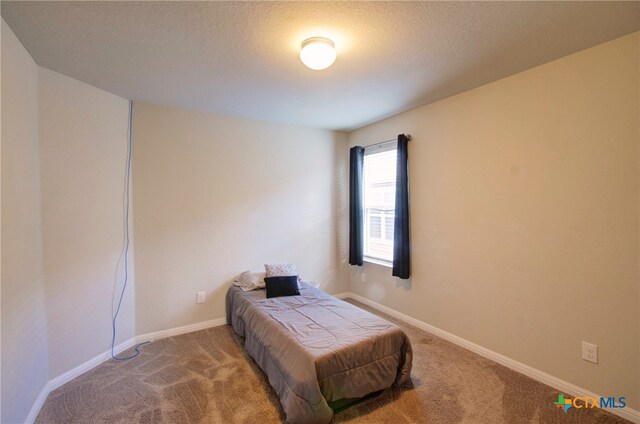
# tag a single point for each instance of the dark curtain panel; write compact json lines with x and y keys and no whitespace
{"x":356,"y":160}
{"x":401,"y":246}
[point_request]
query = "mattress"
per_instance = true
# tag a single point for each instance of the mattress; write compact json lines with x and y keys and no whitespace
{"x":316,"y":349}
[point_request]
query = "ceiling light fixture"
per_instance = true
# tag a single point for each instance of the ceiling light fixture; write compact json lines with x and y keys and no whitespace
{"x":318,"y":53}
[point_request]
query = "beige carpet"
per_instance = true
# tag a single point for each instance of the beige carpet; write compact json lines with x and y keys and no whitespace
{"x":206,"y":377}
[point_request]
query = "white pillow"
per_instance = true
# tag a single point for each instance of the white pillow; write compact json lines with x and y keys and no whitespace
{"x":280,"y":270}
{"x":250,"y":280}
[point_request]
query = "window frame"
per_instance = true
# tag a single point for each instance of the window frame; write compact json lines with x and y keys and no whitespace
{"x":371,"y":150}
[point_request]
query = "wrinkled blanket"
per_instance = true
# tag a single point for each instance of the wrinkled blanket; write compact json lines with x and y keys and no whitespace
{"x":317,"y":349}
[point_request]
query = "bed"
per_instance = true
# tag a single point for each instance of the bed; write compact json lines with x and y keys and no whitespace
{"x":317,"y":350}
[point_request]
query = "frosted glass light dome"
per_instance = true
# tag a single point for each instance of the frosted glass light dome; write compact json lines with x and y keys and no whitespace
{"x":318,"y":53}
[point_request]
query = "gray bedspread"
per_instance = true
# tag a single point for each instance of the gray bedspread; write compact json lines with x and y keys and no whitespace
{"x":317,"y":349}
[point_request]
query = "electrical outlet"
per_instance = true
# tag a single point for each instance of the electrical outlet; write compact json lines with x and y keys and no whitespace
{"x":590,"y":352}
{"x":363,"y":277}
{"x":200,"y":298}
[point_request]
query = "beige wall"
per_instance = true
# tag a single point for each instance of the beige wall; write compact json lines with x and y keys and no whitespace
{"x":63,"y":166}
{"x":24,"y":331}
{"x":215,"y":196}
{"x":83,"y":142}
{"x":524,"y":217}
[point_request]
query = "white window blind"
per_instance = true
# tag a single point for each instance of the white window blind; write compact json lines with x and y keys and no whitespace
{"x":379,"y":194}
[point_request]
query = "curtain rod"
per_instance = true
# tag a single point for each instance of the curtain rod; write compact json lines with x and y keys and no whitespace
{"x":387,"y":141}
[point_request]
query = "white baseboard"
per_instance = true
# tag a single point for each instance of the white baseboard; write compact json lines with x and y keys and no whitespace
{"x":67,"y":376}
{"x":558,"y":384}
{"x":37,"y":405}
{"x":180,"y":330}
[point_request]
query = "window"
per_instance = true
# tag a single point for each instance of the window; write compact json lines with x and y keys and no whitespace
{"x":379,"y":194}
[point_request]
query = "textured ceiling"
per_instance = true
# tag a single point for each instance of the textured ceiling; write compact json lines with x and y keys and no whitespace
{"x":241,"y":58}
